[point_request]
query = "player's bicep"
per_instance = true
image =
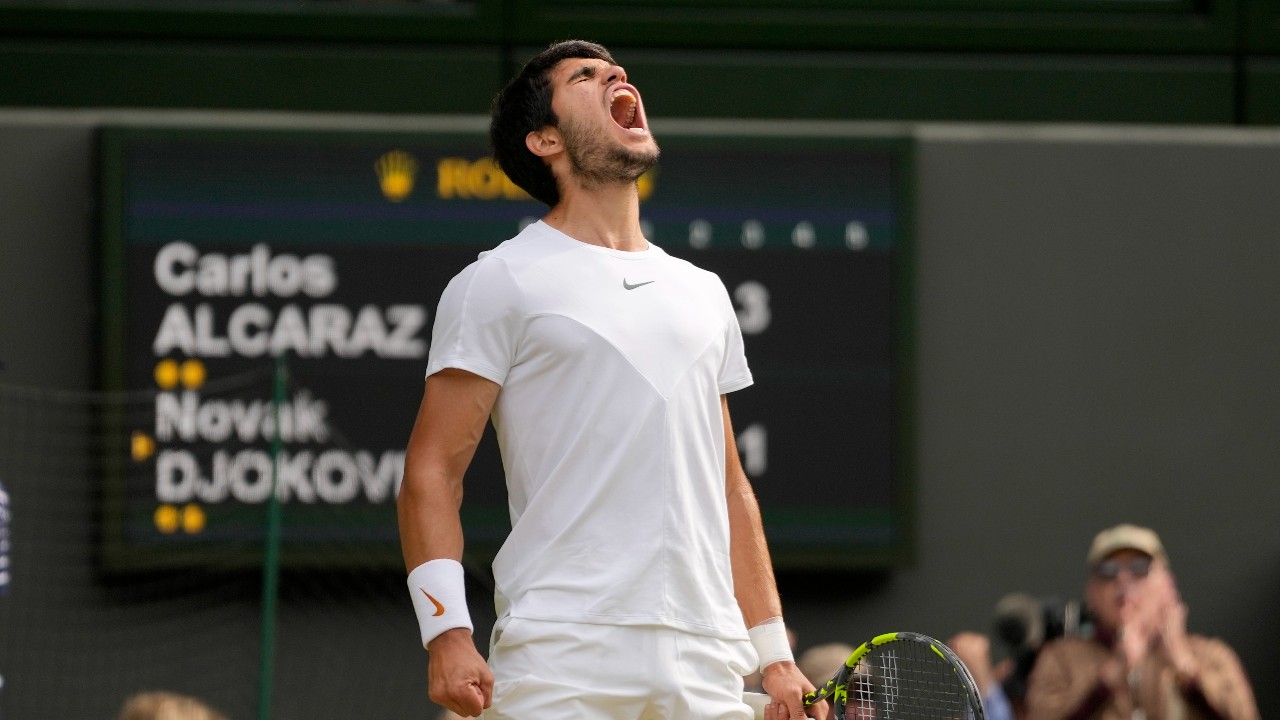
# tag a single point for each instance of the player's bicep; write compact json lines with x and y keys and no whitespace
{"x":451,"y":419}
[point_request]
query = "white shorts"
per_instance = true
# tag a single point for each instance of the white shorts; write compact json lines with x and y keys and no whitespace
{"x":569,"y":671}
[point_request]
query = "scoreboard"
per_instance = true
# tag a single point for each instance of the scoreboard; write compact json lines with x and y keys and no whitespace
{"x":224,"y":249}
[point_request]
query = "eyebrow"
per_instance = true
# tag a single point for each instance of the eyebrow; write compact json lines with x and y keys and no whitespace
{"x":584,"y":71}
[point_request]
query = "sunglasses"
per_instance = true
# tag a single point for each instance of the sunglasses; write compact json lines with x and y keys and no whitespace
{"x":1110,"y":569}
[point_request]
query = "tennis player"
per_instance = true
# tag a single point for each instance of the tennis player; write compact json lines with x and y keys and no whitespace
{"x":636,"y":582}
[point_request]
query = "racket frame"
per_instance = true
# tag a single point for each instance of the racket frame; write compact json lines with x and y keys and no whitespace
{"x":837,"y":688}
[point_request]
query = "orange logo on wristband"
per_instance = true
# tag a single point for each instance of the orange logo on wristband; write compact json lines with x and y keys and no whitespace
{"x":439,"y":608}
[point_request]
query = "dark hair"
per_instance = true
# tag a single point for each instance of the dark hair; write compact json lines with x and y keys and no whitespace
{"x":523,"y":106}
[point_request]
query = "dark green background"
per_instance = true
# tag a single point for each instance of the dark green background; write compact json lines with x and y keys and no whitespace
{"x":1148,"y":61}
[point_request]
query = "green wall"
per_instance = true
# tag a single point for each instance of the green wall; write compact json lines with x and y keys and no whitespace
{"x":1128,"y":61}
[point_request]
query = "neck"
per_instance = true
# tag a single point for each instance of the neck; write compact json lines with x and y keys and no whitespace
{"x":607,"y":216}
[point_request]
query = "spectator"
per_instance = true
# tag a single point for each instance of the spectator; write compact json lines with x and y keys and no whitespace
{"x":167,"y":706}
{"x":4,"y":552}
{"x":4,"y":541}
{"x":820,"y":662}
{"x":1140,"y":661}
{"x":974,"y":650}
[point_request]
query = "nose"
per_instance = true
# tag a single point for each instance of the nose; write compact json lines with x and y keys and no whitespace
{"x":615,"y":74}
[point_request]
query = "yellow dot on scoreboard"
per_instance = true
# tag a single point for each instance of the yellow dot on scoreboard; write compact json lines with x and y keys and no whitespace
{"x":141,"y":446}
{"x":166,"y":374}
{"x":192,"y":373}
{"x":193,"y":519}
{"x":166,"y":518}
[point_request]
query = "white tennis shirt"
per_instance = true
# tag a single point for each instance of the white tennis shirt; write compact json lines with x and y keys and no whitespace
{"x":612,"y":365}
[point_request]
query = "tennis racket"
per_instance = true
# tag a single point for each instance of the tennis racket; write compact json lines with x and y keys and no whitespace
{"x":896,"y":676}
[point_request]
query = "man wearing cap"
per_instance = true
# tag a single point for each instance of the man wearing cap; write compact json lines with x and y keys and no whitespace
{"x":1140,"y":663}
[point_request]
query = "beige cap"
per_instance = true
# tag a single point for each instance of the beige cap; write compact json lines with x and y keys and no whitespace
{"x":1125,"y":537}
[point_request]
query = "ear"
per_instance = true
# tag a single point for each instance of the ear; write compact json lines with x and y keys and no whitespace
{"x":544,"y":142}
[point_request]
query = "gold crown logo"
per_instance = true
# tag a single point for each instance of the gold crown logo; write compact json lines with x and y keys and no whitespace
{"x":396,"y":171}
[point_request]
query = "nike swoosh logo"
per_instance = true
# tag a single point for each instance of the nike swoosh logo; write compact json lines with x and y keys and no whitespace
{"x":439,"y":608}
{"x":629,"y":286}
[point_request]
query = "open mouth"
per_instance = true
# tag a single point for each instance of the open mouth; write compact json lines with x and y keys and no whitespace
{"x":624,"y":107}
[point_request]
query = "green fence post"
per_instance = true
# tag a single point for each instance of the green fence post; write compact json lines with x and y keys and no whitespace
{"x":271,"y":552}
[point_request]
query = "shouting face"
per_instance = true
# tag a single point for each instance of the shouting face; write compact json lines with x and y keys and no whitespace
{"x":602,"y":122}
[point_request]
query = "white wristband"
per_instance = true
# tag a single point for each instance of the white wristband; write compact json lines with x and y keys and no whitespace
{"x":769,"y":638}
{"x":438,"y":590}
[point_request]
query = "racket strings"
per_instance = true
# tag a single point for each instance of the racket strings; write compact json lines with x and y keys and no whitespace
{"x":904,"y":681}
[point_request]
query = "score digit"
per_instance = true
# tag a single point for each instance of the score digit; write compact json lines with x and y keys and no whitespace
{"x":754,"y":314}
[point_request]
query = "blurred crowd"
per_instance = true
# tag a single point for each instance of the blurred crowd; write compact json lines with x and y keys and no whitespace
{"x":1126,"y":654}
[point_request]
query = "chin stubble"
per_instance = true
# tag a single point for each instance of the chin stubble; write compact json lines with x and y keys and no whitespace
{"x":596,"y":164}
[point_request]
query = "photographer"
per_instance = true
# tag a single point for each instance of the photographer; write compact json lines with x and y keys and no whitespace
{"x":1140,"y":661}
{"x":1023,"y":623}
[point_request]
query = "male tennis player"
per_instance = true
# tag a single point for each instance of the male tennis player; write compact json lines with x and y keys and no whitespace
{"x":636,"y":582}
